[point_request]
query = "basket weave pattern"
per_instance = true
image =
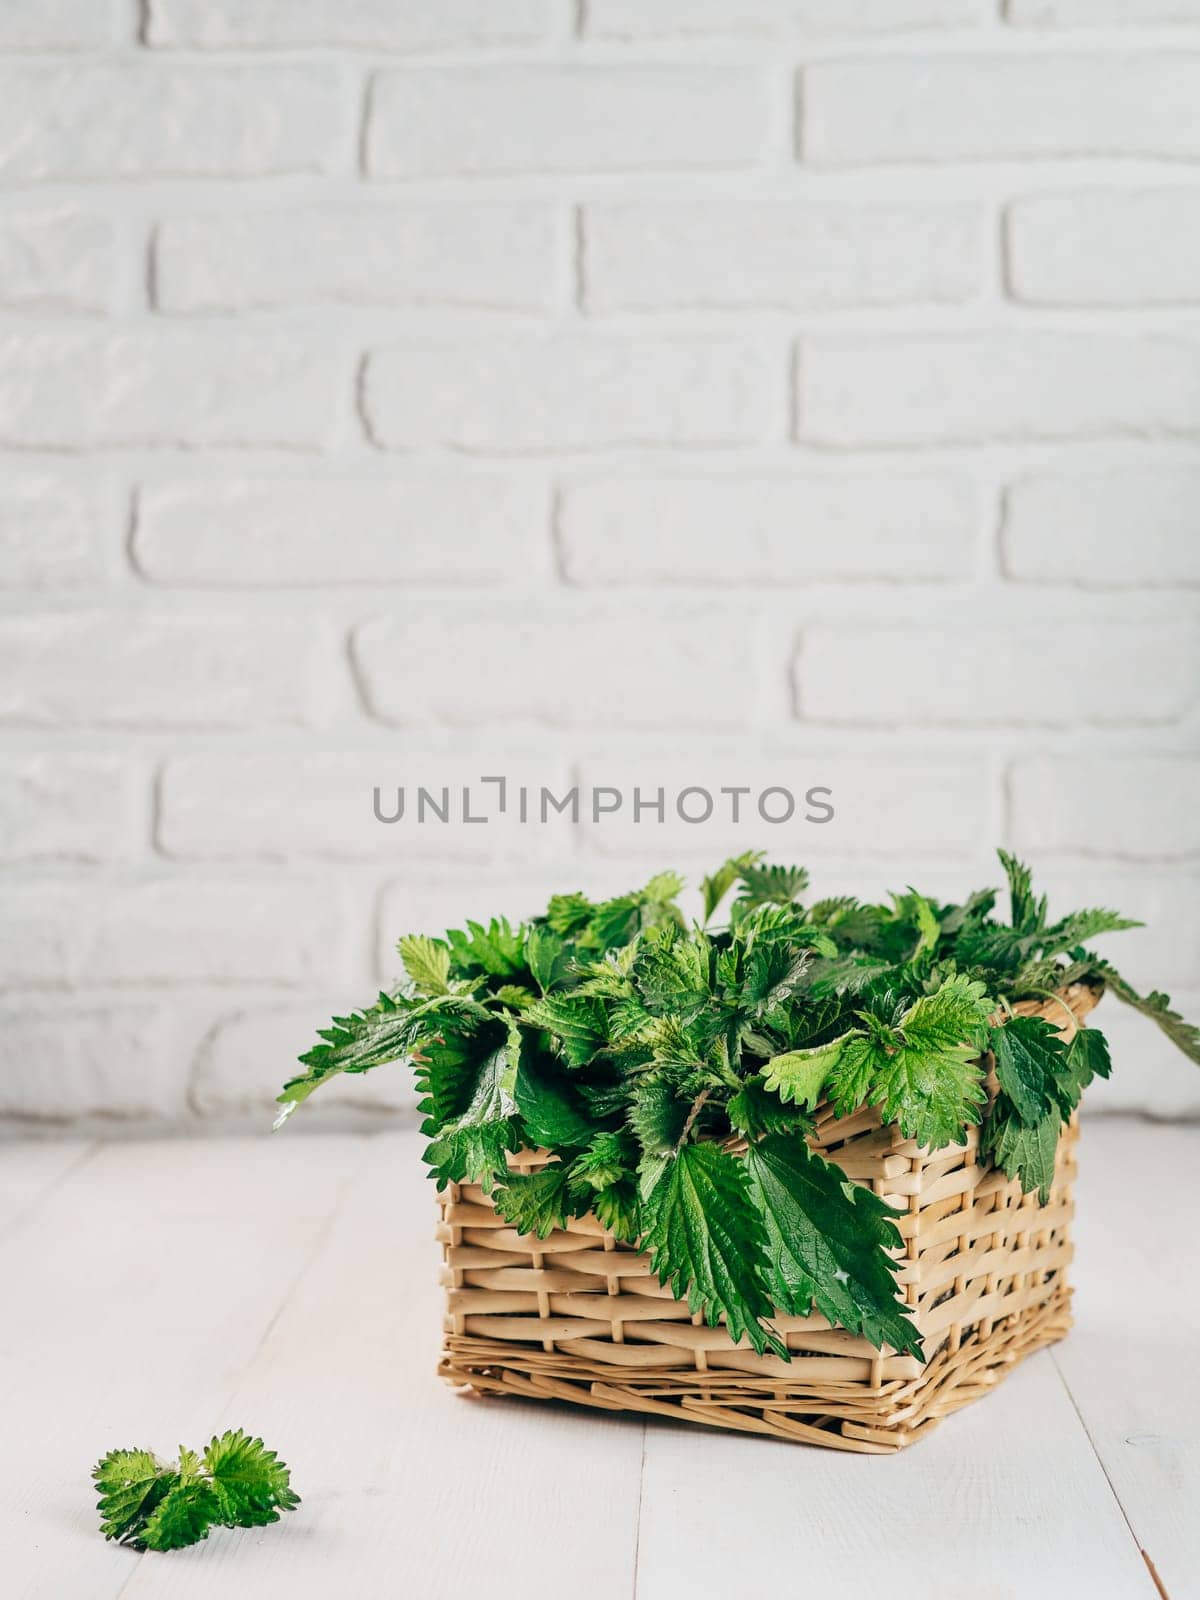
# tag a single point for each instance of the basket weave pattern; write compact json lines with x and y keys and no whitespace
{"x":578,"y":1316}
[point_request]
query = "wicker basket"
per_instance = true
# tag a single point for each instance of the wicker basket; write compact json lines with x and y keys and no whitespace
{"x":578,"y":1316}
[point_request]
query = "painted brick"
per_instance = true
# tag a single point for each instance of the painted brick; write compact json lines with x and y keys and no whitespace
{"x":179,"y":930}
{"x":535,"y":118}
{"x":275,"y":531}
{"x":155,"y":671}
{"x":1125,"y":528}
{"x":66,"y":807}
{"x":115,"y":1061}
{"x":565,"y":667}
{"x":940,"y":108}
{"x":158,"y":120}
{"x":501,"y":256}
{"x":1135,"y":806}
{"x":56,"y":24}
{"x":247,"y":1056}
{"x":1100,"y":13}
{"x":644,"y":257}
{"x":51,"y":532}
{"x":639,"y":19}
{"x":959,"y":388}
{"x":765,"y":530}
{"x":176,"y":387}
{"x":1106,"y":247}
{"x":57,"y":260}
{"x":278,"y":806}
{"x":405,"y":25}
{"x":571,"y":392}
{"x":1049,"y":673}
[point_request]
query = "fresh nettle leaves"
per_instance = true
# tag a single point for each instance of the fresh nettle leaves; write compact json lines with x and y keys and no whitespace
{"x":148,"y":1504}
{"x":665,"y":1076}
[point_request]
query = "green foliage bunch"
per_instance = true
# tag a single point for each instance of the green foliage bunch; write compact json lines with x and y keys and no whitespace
{"x":148,"y":1504}
{"x":672,"y":1071}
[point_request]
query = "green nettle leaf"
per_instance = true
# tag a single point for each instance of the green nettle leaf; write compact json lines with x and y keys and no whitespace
{"x":641,"y":1053}
{"x":932,"y":1084}
{"x":384,"y":1032}
{"x":547,"y":955}
{"x":657,"y":1115}
{"x":551,"y":1112}
{"x":183,"y":1516}
{"x":390,"y":1030}
{"x":250,"y":1482}
{"x":853,"y":1074}
{"x":672,"y":974}
{"x":605,"y":1162}
{"x":497,"y":950}
{"x":930,"y":1097}
{"x":575,"y":1022}
{"x":1030,"y":1057}
{"x":773,"y":973}
{"x":1026,"y":911}
{"x":617,"y":1208}
{"x":238,"y":1483}
{"x":474,"y":1148}
{"x":771,"y":885}
{"x":1021,"y":1150}
{"x":928,"y":927}
{"x":663,"y":888}
{"x":827,"y":1243}
{"x":1089,"y":1056}
{"x":708,"y":1243}
{"x":536,"y":1202}
{"x":1156,"y":1006}
{"x":474,"y":1153}
{"x":954,"y":1015}
{"x":754,"y":1111}
{"x":713,"y":890}
{"x":569,"y":914}
{"x":1081,"y":925}
{"x":427,"y":962}
{"x":801,"y":1075}
{"x":1086,"y":1058}
{"x":130,"y":1484}
{"x":448,"y":1069}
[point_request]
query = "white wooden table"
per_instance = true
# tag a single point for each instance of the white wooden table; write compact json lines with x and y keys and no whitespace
{"x":156,"y":1292}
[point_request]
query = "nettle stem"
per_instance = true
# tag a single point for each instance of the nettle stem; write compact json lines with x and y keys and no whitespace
{"x":697,"y":1105}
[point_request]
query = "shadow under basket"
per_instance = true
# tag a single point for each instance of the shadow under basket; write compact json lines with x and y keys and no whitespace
{"x":579,"y":1317}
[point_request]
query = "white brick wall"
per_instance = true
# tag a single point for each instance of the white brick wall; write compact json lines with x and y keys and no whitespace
{"x":1120,"y":247}
{"x":935,"y":389}
{"x":797,"y":529}
{"x":938,"y":108}
{"x":108,"y":121}
{"x":640,"y":391}
{"x":406,"y":25}
{"x":663,"y":257}
{"x":634,"y":392}
{"x":57,"y":260}
{"x":424,"y":528}
{"x":488,"y":256}
{"x":167,"y":387}
{"x":1125,"y":528}
{"x":485,"y":121}
{"x":53,"y":533}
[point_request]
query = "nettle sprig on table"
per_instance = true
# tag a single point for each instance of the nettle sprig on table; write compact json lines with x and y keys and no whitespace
{"x":671,"y":1072}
